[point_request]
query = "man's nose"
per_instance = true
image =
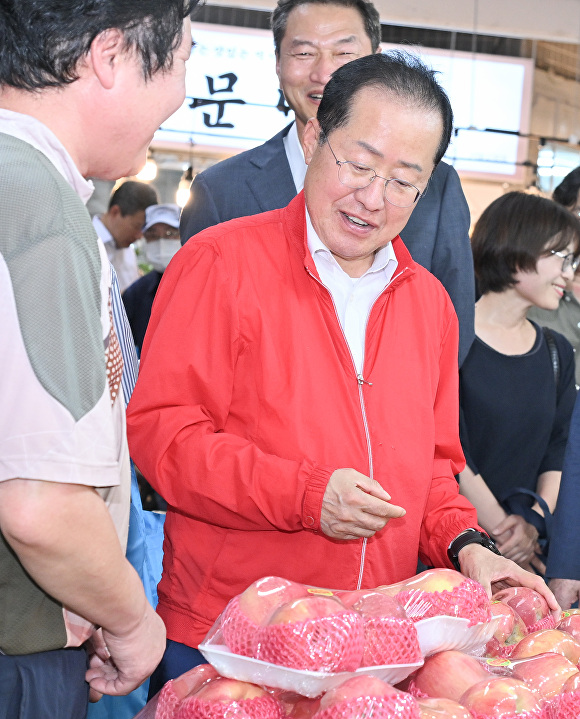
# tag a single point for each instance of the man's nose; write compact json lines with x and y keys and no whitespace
{"x":373,"y":196}
{"x":322,"y":69}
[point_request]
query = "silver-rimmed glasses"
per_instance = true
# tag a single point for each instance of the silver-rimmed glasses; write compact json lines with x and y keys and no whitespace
{"x":356,"y":176}
{"x":569,"y":260}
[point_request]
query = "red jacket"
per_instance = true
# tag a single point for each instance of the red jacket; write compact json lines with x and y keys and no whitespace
{"x":247,"y":400}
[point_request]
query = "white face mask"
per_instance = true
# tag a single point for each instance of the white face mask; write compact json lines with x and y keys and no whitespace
{"x":160,"y":252}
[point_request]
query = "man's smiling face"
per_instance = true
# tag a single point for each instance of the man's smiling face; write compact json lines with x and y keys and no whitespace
{"x":395,"y":138}
{"x":318,"y":40}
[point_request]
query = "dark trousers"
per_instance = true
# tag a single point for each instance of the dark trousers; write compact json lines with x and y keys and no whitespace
{"x":47,"y":685}
{"x":178,"y":659}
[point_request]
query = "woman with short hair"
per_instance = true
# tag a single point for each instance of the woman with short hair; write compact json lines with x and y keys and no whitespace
{"x":517,"y":384}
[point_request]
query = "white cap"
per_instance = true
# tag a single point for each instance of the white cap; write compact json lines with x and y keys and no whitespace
{"x":169,"y":214}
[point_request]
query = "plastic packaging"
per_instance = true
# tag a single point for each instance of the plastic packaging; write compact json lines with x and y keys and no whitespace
{"x":503,"y":697}
{"x":509,"y":631}
{"x":570,"y":623}
{"x":548,"y":640}
{"x":531,"y":607}
{"x":437,"y":708}
{"x":438,"y":592}
{"x":365,"y":697}
{"x":439,"y":634}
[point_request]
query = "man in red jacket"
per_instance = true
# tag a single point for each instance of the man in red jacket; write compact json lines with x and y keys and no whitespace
{"x":297,"y":404}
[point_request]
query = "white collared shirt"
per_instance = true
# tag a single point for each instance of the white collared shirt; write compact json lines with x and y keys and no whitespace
{"x":295,"y":155}
{"x":123,"y":259}
{"x":35,"y":133}
{"x":353,"y":296}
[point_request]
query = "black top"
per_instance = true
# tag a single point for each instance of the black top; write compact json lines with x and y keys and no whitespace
{"x":514,"y":421}
{"x":138,"y":300}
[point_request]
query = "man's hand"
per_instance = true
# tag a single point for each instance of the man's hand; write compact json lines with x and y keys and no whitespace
{"x":566,"y":591}
{"x":516,"y":539}
{"x":495,"y":573}
{"x":121,"y":662}
{"x":355,"y":506}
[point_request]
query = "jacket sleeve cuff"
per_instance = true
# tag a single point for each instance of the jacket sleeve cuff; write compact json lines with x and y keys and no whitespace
{"x":440,"y":540}
{"x":313,"y":496}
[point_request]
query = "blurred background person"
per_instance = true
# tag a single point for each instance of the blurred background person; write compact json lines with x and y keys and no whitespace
{"x":515,"y":413}
{"x":566,"y":318}
{"x":161,"y":233}
{"x":122,"y":224}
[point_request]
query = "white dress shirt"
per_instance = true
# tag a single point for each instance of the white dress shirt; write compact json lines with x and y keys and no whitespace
{"x":124,"y":259}
{"x":353,"y":296}
{"x":295,"y":155}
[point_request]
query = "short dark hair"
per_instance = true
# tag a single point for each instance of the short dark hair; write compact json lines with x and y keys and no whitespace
{"x":368,"y":12}
{"x":400,"y":74}
{"x":514,"y":232}
{"x":43,"y":41}
{"x":567,"y":191}
{"x":132,"y":196}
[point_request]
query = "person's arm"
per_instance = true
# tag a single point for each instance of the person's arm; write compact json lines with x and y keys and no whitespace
{"x":516,"y":539}
{"x":200,"y":212}
{"x":548,"y":487}
{"x":65,"y":539}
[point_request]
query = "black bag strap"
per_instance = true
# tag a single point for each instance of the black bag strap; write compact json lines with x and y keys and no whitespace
{"x":513,"y":503}
{"x":554,"y":356}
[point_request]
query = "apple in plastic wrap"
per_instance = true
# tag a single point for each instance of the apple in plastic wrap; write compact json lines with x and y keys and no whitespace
{"x":437,"y":592}
{"x":366,"y":697}
{"x":502,"y":697}
{"x":567,"y":704}
{"x":314,"y":633}
{"x":176,"y":690}
{"x":509,"y":632}
{"x":230,"y":698}
{"x":390,"y":636}
{"x":439,"y":708}
{"x":545,"y":673}
{"x":548,"y":640}
{"x":570,"y":623}
{"x":447,"y":674}
{"x":531,"y":606}
{"x":252,"y":608}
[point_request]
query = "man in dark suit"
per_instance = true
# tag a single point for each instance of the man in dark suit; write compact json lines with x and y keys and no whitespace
{"x":312,"y":39}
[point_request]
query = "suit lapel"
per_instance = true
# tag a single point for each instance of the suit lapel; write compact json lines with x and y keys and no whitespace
{"x":271,"y":181}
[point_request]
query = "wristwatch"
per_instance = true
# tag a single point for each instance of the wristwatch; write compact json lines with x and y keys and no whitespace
{"x":469,"y":536}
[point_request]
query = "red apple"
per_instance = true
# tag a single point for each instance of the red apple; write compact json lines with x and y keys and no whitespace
{"x":548,"y":640}
{"x":229,"y":697}
{"x":438,"y":592}
{"x":193,"y":680}
{"x":390,"y":636}
{"x":438,"y":708}
{"x":363,"y":697}
{"x":246,"y":612}
{"x":448,"y":674}
{"x":510,"y":630}
{"x":545,"y":673}
{"x":570,"y":623}
{"x":500,"y":697}
{"x":531,"y":606}
{"x":316,"y":633}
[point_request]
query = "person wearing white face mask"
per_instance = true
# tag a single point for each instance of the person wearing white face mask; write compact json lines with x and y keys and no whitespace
{"x":161,"y":233}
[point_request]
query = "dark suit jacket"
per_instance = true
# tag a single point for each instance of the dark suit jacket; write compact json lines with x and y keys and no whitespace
{"x":260,"y":180}
{"x":564,"y":554}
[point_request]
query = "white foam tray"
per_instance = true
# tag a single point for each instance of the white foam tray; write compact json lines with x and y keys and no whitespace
{"x":438,"y":634}
{"x":309,"y":684}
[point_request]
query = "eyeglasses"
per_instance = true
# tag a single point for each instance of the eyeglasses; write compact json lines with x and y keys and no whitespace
{"x":569,"y":260}
{"x":163,"y":235}
{"x":356,"y":176}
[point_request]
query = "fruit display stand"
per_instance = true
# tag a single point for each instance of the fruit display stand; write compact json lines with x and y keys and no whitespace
{"x":309,"y":653}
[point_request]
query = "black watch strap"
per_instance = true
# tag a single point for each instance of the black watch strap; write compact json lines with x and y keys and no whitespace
{"x":469,"y":536}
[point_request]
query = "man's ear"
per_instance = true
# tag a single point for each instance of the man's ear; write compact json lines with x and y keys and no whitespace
{"x":310,"y":138}
{"x":106,"y":51}
{"x":115,"y":212}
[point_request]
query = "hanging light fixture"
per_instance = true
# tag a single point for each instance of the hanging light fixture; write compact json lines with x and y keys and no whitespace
{"x":182,"y":194}
{"x":149,"y":171}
